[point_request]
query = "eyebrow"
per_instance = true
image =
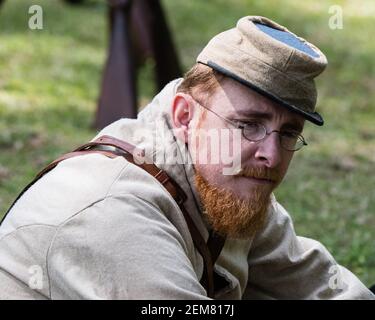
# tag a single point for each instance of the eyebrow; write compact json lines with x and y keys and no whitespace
{"x":267,"y":116}
{"x":255,"y":114}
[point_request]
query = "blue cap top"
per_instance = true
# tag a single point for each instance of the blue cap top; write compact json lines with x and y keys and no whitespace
{"x":287,"y":38}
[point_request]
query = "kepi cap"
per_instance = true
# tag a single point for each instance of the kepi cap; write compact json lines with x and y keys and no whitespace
{"x":270,"y":59}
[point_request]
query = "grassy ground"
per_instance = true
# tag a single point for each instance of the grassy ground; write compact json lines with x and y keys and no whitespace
{"x":49,"y":82}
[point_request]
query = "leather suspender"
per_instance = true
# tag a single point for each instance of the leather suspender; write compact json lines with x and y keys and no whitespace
{"x":209,"y":252}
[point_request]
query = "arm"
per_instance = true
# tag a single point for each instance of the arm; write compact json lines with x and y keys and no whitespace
{"x":285,"y":266}
{"x":121,"y":248}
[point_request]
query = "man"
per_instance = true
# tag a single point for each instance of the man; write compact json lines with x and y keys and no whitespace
{"x":103,"y":228}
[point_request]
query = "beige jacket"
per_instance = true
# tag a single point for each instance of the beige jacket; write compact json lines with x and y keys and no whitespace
{"x":102,"y":228}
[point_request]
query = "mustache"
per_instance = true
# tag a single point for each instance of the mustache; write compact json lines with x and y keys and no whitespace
{"x":260,"y":173}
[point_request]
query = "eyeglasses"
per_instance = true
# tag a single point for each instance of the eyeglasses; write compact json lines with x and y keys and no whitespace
{"x":255,"y":132}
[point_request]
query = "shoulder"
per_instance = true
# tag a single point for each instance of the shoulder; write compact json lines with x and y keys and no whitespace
{"x":71,"y":186}
{"x":123,"y":239}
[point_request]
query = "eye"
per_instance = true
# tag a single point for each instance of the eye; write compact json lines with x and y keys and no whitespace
{"x":251,"y":126}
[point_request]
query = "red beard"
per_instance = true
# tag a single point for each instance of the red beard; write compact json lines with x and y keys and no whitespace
{"x":232,"y":216}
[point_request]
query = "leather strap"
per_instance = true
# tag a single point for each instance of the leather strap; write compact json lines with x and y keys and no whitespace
{"x":209,"y":252}
{"x":215,"y":244}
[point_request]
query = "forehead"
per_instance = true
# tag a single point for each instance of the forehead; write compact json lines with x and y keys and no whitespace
{"x":235,"y":100}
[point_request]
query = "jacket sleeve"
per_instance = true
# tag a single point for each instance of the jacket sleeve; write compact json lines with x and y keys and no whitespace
{"x":285,"y":266}
{"x":121,"y":248}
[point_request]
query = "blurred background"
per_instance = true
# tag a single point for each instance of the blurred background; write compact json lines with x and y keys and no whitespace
{"x":50,"y":82}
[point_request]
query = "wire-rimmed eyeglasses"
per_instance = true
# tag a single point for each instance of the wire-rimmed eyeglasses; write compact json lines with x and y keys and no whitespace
{"x":255,"y":131}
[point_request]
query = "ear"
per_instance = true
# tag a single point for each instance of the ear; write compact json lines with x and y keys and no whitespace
{"x":182,"y":113}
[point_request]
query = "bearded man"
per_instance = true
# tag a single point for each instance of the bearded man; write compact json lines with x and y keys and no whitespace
{"x":98,"y":227}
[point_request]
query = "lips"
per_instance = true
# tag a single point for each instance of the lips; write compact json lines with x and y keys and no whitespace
{"x":260,"y":180}
{"x":260,"y":175}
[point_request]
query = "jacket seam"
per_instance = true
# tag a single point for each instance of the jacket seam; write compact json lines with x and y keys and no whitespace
{"x":60,"y":225}
{"x":27,"y":226}
{"x":58,"y":228}
{"x":22,"y":227}
{"x":118,"y":176}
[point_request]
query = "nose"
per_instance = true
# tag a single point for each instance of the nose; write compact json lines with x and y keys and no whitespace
{"x":268,"y":151}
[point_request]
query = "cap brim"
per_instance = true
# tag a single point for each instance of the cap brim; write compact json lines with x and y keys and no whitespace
{"x":313,"y":117}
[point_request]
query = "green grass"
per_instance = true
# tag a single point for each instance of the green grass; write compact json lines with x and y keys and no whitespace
{"x":49,"y":81}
